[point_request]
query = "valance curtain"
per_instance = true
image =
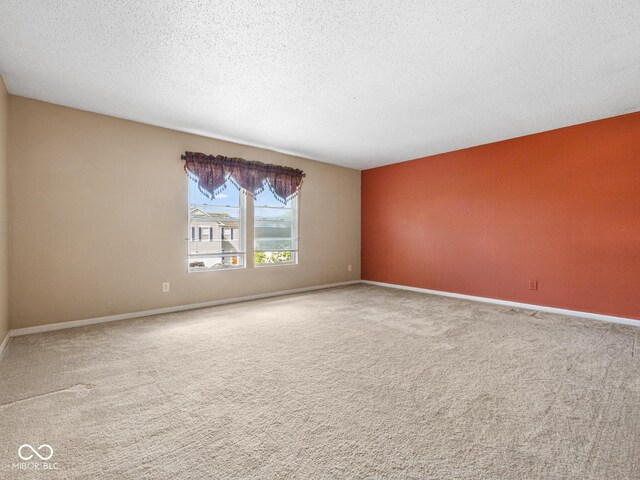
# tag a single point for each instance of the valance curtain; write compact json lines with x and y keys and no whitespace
{"x":212,"y":172}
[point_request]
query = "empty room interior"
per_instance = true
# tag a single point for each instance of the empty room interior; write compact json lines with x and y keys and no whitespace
{"x":320,"y":240}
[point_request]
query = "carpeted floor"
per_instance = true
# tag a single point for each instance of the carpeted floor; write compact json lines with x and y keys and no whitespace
{"x":353,"y":382}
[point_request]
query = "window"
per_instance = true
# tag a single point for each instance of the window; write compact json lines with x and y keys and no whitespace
{"x":275,"y":230}
{"x":275,"y":227}
{"x":210,"y":246}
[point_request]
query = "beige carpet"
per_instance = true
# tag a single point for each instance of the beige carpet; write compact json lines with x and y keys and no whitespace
{"x":354,"y":382}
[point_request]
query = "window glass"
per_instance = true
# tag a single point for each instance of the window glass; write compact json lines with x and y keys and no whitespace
{"x":215,"y":229}
{"x":275,"y":230}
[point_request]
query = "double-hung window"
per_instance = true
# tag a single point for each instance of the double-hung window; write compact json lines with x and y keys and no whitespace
{"x":216,"y":229}
{"x":275,"y":228}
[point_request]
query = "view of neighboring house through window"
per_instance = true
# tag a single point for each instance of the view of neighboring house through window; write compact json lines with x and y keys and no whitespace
{"x":275,"y":230}
{"x":215,"y":229}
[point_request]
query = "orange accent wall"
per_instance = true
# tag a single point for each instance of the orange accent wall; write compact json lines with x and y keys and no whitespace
{"x":561,"y":207}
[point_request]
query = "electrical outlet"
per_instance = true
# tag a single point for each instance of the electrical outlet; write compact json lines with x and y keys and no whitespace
{"x":533,"y":284}
{"x":166,"y":286}
{"x":349,"y":268}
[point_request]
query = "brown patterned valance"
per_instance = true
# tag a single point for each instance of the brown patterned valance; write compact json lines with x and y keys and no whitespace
{"x":212,"y":172}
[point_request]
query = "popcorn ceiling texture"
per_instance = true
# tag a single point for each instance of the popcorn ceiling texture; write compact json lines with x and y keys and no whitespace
{"x":356,"y":382}
{"x":359,"y":84}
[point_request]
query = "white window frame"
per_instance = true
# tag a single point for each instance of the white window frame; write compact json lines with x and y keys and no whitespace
{"x":242,"y":240}
{"x":295,"y":252}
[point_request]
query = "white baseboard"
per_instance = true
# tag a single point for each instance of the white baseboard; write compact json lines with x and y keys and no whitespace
{"x":180,"y":308}
{"x":4,"y":343}
{"x":528,"y":306}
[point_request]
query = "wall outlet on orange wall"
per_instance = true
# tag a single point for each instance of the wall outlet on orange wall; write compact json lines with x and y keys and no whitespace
{"x":533,"y":284}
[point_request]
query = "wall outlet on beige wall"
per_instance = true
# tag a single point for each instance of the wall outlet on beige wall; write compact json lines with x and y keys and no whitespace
{"x":349,"y":268}
{"x":166,"y":287}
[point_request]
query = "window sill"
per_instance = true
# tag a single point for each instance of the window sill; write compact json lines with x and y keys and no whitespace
{"x":219,"y":269}
{"x":267,"y":265}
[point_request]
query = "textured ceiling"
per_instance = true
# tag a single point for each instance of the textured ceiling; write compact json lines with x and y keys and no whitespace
{"x":358,"y":83}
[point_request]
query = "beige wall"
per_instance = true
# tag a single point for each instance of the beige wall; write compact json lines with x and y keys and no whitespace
{"x":4,"y":215}
{"x":85,"y":188}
